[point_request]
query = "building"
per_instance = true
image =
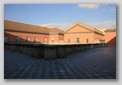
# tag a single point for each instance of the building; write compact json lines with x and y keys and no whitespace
{"x":81,"y":33}
{"x":15,"y":32}
{"x":110,"y":37}
{"x":77,"y":33}
{"x":56,"y":36}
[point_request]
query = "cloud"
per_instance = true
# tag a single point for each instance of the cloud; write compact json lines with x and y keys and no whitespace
{"x":104,"y":25}
{"x":100,"y":25}
{"x":89,"y":6}
{"x":56,"y":25}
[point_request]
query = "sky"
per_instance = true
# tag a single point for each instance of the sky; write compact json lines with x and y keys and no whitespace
{"x":62,"y":15}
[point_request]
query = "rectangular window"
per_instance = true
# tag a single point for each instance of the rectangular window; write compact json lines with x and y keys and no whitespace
{"x":35,"y":39}
{"x":45,"y":39}
{"x":5,"y":38}
{"x":61,"y":40}
{"x":27,"y":39}
{"x":87,"y":40}
{"x":103,"y":41}
{"x":77,"y":40}
{"x":17,"y":39}
{"x":68,"y":40}
{"x":52,"y":39}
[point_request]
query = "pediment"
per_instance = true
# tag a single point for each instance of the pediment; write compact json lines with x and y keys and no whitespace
{"x":78,"y":28}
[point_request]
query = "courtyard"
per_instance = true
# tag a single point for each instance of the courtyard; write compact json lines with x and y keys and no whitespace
{"x":98,"y":63}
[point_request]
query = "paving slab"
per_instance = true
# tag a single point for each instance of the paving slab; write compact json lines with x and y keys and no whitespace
{"x":98,"y":63}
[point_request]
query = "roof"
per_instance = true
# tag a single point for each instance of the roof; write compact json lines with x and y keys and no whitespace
{"x":86,"y":26}
{"x":55,"y":30}
{"x":110,"y":30}
{"x":21,"y":27}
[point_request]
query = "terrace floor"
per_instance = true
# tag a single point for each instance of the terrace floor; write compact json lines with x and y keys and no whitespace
{"x":98,"y":63}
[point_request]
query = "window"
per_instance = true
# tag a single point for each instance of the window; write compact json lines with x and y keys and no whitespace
{"x":17,"y":39}
{"x":100,"y":41}
{"x":60,"y":40}
{"x":27,"y":39}
{"x":68,"y":40}
{"x":5,"y":38}
{"x":45,"y":39}
{"x":103,"y":41}
{"x":52,"y":39}
{"x":87,"y":40}
{"x":35,"y":39}
{"x":77,"y":40}
{"x":95,"y":40}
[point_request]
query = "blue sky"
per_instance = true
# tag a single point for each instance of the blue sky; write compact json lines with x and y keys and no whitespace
{"x":62,"y":15}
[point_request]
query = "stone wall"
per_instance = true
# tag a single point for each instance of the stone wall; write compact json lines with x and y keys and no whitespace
{"x":50,"y":51}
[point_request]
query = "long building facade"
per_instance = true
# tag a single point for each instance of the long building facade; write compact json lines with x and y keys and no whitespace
{"x":77,"y":33}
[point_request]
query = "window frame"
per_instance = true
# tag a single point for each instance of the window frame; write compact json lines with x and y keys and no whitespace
{"x":27,"y":39}
{"x":18,"y":39}
{"x":77,"y":40}
{"x":35,"y":39}
{"x":68,"y":40}
{"x":87,"y":40}
{"x":52,"y":39}
{"x":6,"y":38}
{"x":45,"y":39}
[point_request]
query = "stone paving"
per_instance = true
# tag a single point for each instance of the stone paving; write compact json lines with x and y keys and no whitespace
{"x":98,"y":63}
